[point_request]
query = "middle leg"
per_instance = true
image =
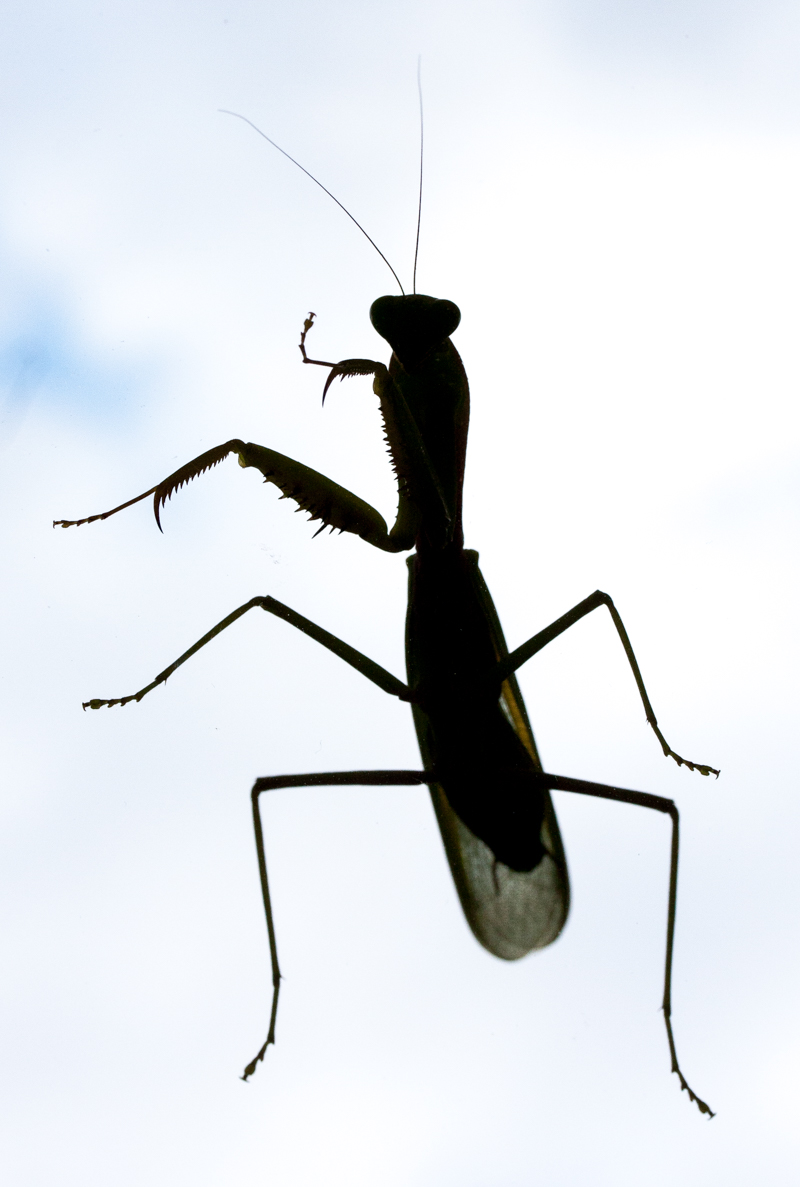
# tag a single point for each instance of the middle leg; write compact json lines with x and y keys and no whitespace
{"x":518,"y":657}
{"x":362,"y":663}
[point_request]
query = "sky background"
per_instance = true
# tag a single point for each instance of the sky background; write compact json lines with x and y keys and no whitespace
{"x":611,"y":197}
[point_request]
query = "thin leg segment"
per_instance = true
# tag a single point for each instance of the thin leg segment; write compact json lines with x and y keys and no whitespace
{"x":326,"y":779}
{"x":517,"y":658}
{"x":659,"y":804}
{"x":356,"y":659}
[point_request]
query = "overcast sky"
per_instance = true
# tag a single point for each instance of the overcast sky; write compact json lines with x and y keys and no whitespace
{"x":611,"y":197}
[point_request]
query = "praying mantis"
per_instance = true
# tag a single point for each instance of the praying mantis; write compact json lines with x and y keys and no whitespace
{"x":490,"y":792}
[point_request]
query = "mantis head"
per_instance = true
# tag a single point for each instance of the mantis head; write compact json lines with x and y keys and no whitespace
{"x":414,"y":326}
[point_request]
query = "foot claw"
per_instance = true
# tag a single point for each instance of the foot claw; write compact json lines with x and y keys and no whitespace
{"x":251,"y":1067}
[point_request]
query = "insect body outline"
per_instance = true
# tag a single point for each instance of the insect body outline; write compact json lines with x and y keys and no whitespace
{"x":490,"y":792}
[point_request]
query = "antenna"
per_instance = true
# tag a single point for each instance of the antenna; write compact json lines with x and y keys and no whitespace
{"x":421,"y":146}
{"x":224,"y":111}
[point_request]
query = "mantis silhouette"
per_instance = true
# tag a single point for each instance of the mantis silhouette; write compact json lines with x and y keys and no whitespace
{"x":490,"y":792}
